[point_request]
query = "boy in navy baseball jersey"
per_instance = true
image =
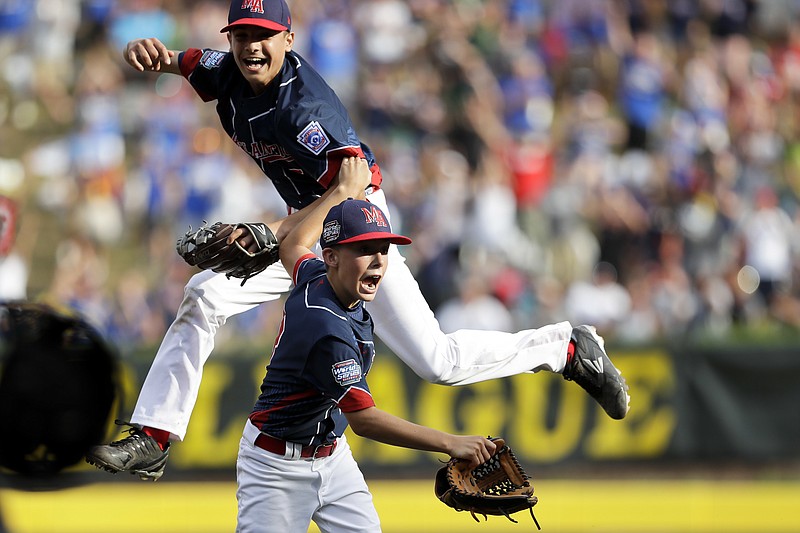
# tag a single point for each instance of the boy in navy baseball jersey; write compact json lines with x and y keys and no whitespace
{"x":275,"y":106}
{"x":294,"y":462}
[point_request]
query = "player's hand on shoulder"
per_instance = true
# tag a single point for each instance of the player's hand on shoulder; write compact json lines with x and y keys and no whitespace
{"x":148,"y":54}
{"x":472,"y":448}
{"x":355,"y":176}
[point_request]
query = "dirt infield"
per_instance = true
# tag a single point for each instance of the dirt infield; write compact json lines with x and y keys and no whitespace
{"x":619,"y":506}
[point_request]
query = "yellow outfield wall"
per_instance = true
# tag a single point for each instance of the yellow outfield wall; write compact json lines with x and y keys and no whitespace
{"x":618,"y":506}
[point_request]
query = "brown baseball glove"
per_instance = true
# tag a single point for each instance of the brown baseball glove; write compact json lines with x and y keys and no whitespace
{"x":208,"y":248}
{"x":498,"y":486}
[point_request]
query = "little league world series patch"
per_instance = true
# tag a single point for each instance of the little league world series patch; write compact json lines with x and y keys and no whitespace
{"x":331,"y":230}
{"x":211,"y":59}
{"x":346,"y":372}
{"x":313,"y":137}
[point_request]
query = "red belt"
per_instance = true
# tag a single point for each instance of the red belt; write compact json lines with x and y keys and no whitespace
{"x":278,"y":446}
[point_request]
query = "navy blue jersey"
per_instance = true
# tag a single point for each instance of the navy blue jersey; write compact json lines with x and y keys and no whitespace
{"x":319,"y":364}
{"x":297,"y":131}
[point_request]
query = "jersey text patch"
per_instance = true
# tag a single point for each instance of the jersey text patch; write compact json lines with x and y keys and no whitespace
{"x":313,"y":137}
{"x":212,"y":58}
{"x":346,"y":372}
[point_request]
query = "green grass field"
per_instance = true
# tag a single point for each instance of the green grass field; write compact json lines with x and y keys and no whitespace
{"x":598,"y":506}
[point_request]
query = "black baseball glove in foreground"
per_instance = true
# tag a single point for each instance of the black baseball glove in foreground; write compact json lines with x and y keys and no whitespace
{"x":58,"y":383}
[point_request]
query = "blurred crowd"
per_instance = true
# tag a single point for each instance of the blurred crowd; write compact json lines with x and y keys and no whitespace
{"x":628,"y":164}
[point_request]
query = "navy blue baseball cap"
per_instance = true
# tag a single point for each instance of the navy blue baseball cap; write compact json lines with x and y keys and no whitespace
{"x":355,"y":221}
{"x":270,"y":14}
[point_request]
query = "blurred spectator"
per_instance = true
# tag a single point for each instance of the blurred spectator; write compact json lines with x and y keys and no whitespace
{"x":675,"y":301}
{"x":642,"y":89}
{"x":80,"y":282}
{"x":387,"y":29}
{"x":13,"y":277}
{"x":474,"y":307}
{"x":601,"y":301}
{"x":768,"y":242}
{"x":333,"y":49}
{"x":491,"y":225}
{"x":527,"y":95}
{"x":641,"y":324}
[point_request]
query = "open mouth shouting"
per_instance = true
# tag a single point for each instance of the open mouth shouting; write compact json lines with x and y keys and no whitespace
{"x":369,"y":284}
{"x":254,"y":64}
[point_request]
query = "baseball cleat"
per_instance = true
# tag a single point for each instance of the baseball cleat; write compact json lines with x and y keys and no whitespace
{"x":139,"y":454}
{"x":591,"y":368}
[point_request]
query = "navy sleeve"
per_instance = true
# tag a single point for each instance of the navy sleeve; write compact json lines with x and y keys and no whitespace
{"x":307,"y":268}
{"x":204,"y":70}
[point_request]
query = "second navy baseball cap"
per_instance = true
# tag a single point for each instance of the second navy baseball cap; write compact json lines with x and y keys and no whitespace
{"x":355,"y":221}
{"x":270,"y":14}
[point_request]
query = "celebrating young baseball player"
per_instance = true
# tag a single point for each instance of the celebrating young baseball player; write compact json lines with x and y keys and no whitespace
{"x":294,"y":462}
{"x":278,"y":109}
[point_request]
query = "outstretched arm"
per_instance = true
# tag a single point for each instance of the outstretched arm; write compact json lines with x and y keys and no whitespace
{"x":151,"y":54}
{"x":354,"y":176}
{"x":372,"y":423}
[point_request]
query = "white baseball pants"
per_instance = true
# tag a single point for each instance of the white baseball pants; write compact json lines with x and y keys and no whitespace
{"x":403,"y":321}
{"x":279,"y":494}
